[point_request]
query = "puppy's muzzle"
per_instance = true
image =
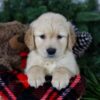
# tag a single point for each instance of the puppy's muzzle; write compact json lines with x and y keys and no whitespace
{"x":51,"y":51}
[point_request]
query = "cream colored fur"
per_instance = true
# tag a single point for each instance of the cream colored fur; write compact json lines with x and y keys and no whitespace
{"x":62,"y":66}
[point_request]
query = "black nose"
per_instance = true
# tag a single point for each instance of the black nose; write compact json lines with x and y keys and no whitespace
{"x":51,"y":51}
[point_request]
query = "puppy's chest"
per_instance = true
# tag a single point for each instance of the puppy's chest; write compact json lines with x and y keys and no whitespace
{"x":49,"y":66}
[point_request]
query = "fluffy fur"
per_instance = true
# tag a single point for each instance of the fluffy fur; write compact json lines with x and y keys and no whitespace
{"x":11,"y":43}
{"x":50,"y":30}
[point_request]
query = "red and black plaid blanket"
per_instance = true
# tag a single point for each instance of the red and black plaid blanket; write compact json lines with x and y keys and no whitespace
{"x":14,"y":86}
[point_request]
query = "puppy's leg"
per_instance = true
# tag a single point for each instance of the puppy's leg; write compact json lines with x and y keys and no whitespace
{"x":36,"y":76}
{"x":60,"y":78}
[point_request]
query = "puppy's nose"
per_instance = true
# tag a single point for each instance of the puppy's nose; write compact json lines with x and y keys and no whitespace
{"x":51,"y":51}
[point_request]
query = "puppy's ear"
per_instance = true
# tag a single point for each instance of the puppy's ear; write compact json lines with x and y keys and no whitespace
{"x":29,"y":39}
{"x":71,"y":36}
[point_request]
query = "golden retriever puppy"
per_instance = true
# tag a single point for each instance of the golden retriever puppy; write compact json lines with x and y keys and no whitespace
{"x":50,"y":39}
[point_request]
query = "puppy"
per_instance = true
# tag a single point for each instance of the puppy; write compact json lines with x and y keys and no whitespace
{"x":50,"y":39}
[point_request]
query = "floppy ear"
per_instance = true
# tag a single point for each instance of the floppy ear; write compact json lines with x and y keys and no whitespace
{"x":29,"y":39}
{"x":16,"y":44}
{"x":71,"y":36}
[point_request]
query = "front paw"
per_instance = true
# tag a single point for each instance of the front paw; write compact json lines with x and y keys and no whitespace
{"x":36,"y":78}
{"x":60,"y":80}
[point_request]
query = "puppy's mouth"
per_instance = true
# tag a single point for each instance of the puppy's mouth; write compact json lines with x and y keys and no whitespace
{"x":51,"y":56}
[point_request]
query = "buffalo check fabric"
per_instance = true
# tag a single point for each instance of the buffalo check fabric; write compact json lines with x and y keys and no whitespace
{"x":14,"y":86}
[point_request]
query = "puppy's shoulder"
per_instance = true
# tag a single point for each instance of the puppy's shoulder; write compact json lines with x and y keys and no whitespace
{"x":69,"y":62}
{"x":33,"y":59}
{"x":68,"y":56}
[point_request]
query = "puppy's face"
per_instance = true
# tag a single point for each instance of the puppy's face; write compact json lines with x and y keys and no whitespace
{"x":50,"y":35}
{"x":51,"y":41}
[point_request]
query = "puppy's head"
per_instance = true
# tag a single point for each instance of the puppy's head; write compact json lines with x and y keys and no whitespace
{"x":51,"y":35}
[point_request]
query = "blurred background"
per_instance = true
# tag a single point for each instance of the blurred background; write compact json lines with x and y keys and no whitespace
{"x":85,"y":14}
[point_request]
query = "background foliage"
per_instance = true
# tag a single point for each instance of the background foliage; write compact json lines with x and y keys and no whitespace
{"x":86,"y":18}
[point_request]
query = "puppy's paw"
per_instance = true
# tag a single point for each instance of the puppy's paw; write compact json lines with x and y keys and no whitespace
{"x":36,"y":78}
{"x":60,"y":80}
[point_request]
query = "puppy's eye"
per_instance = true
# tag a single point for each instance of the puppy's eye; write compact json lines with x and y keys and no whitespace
{"x":42,"y":36}
{"x":59,"y":37}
